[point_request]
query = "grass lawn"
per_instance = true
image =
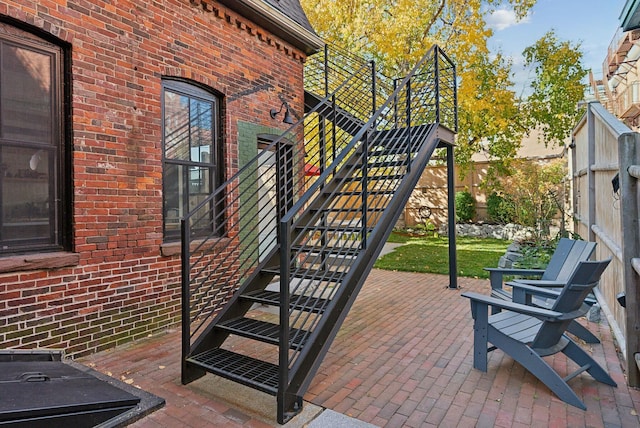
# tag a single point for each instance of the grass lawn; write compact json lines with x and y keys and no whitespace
{"x":431,"y":255}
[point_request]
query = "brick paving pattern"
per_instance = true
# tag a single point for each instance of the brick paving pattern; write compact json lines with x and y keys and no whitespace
{"x":403,"y":358}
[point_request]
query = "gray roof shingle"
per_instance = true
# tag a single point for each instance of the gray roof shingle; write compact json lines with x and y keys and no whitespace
{"x":293,"y":10}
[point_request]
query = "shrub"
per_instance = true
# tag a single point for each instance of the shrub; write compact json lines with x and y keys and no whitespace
{"x":535,"y":193}
{"x":465,"y":207}
{"x":499,"y":209}
{"x":536,"y":255}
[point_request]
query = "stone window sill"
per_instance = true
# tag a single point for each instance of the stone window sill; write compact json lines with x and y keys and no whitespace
{"x":26,"y":262}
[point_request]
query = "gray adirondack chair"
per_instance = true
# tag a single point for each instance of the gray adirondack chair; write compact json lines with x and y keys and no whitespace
{"x":564,"y":260}
{"x":560,"y":267}
{"x":527,"y":333}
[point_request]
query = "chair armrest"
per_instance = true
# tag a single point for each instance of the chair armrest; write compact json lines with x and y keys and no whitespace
{"x":534,"y":311}
{"x":522,"y":293}
{"x":540,"y":282}
{"x":496,"y":274}
{"x":534,"y":290}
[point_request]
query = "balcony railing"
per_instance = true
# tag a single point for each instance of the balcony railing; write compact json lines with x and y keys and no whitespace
{"x":629,"y":101}
{"x":618,"y":49}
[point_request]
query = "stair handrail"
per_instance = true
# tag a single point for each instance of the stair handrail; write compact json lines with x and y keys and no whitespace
{"x":246,"y":167}
{"x":304,"y":199}
{"x":230,"y":188}
{"x":287,"y":221}
{"x":381,"y":84}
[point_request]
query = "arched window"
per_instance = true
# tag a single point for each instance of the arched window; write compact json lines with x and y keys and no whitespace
{"x":33,"y":174}
{"x":191,"y":159}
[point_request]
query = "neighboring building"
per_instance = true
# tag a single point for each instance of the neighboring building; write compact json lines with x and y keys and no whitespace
{"x":114,"y":121}
{"x":619,"y":88}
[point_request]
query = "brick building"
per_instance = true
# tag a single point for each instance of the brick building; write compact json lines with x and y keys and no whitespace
{"x":115,"y":117}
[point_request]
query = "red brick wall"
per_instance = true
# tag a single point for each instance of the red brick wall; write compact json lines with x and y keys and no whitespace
{"x":122,"y":287}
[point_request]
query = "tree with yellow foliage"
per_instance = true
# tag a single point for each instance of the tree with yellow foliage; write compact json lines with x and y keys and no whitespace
{"x":397,"y":33}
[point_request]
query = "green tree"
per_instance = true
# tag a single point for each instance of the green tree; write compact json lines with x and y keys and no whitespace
{"x":557,"y":87}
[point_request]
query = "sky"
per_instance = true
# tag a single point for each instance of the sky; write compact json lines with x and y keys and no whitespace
{"x":593,"y":23}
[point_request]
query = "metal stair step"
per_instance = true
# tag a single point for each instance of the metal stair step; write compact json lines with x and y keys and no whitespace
{"x":378,"y":163}
{"x":336,"y":262}
{"x":240,"y":368}
{"x":298,"y":302}
{"x":382,"y":192}
{"x":317,"y":275}
{"x":263,"y":331}
{"x":380,"y":147}
{"x":385,"y":152}
{"x":388,"y":164}
{"x":337,"y":227}
{"x":372,"y":178}
{"x":327,"y":251}
{"x":401,"y":134}
{"x":346,"y":210}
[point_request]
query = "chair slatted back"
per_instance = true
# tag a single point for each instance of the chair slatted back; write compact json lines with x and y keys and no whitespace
{"x":580,"y":251}
{"x":584,"y":278}
{"x":563,"y":249}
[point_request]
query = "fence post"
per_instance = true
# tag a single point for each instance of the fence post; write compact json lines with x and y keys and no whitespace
{"x":629,"y":162}
{"x":591,"y":177}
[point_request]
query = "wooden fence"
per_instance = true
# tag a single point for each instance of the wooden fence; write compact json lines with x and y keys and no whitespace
{"x":604,"y":199}
{"x":429,"y":198}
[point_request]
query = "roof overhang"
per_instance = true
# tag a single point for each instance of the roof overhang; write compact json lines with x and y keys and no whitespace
{"x":630,"y":16}
{"x":277,"y":23}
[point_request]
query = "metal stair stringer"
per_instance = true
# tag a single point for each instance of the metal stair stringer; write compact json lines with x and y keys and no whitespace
{"x":395,"y":133}
{"x":319,"y":342}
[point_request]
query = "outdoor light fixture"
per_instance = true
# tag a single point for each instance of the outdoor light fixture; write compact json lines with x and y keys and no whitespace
{"x":287,"y":115}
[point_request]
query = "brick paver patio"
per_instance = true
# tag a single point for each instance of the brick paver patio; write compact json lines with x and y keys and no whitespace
{"x":403,"y":358}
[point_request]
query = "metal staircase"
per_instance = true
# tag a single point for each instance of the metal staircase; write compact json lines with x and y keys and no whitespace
{"x":293,"y":235}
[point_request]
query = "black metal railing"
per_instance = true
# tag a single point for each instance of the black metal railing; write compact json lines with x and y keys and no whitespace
{"x":334,"y":177}
{"x":329,"y":228}
{"x":214,"y":266}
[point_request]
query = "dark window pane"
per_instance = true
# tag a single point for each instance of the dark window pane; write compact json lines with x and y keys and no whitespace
{"x":199,"y":190}
{"x":26,"y":95}
{"x":176,"y":126}
{"x":173,"y":197}
{"x":181,"y":197}
{"x":201,"y":131}
{"x":26,"y":189}
{"x":31,"y":144}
